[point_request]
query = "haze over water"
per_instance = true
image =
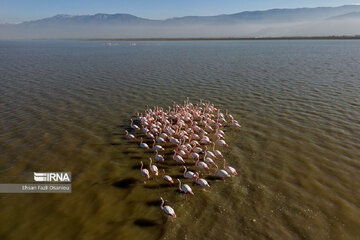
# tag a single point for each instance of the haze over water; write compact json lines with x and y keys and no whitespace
{"x":64,"y":106}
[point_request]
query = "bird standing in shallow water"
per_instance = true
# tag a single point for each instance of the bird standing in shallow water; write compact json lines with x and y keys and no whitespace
{"x":153,"y":168}
{"x":167,"y":209}
{"x":129,"y":136}
{"x":144,"y":172}
{"x":185,"y":189}
{"x":188,"y":174}
{"x":167,"y":178}
{"x":200,"y":181}
{"x":143,"y":145}
{"x":230,"y":170}
{"x":222,"y":173}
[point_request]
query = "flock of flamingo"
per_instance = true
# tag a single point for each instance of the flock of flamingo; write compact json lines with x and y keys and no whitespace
{"x":191,"y":129}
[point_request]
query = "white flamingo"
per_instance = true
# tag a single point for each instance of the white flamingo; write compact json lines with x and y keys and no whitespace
{"x":167,"y":209}
{"x":129,"y":136}
{"x":134,"y":126}
{"x":167,"y":178}
{"x":153,"y":168}
{"x":194,"y":155}
{"x":205,"y":140}
{"x":185,"y":189}
{"x":144,"y":172}
{"x":159,"y":157}
{"x":157,"y":147}
{"x":160,"y":140}
{"x":237,"y":125}
{"x":209,"y":153}
{"x":221,"y":143}
{"x":222,"y":173}
{"x":180,"y":152}
{"x":201,"y":165}
{"x":188,"y":174}
{"x":197,"y":149}
{"x":200,"y":181}
{"x":230,"y":170}
{"x":174,"y":141}
{"x":178,"y":158}
{"x":143,"y":145}
{"x":149,"y":135}
{"x":218,"y":154}
{"x":208,"y":160}
{"x":163,"y":135}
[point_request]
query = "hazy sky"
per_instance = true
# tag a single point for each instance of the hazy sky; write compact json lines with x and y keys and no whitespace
{"x":22,"y":10}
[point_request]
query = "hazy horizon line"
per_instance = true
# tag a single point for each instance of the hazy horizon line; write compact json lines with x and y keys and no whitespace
{"x":169,"y":18}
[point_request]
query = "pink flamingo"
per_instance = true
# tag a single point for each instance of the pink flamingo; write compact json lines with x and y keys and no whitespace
{"x":188,"y":174}
{"x":208,"y":160}
{"x":129,"y":136}
{"x":167,"y":178}
{"x":205,"y":140}
{"x":167,"y":209}
{"x":178,"y":158}
{"x":221,"y":143}
{"x":185,"y":189}
{"x":222,"y":173}
{"x":180,"y":152}
{"x":174,"y":141}
{"x":194,"y":155}
{"x":136,"y":127}
{"x":157,"y":147}
{"x":230,"y":170}
{"x":143,"y":145}
{"x":144,"y":172}
{"x":201,"y":165}
{"x":160,"y":140}
{"x":153,"y":168}
{"x":159,"y":157}
{"x":209,"y":153}
{"x":200,"y":181}
{"x":217,"y":152}
{"x":149,"y":135}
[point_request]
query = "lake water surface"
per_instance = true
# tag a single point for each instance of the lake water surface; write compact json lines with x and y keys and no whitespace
{"x":64,"y":106}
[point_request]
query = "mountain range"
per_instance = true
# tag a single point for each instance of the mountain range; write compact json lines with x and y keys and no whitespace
{"x":321,"y":21}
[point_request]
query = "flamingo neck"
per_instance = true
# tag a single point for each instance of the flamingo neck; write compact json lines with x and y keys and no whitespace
{"x":180,"y":185}
{"x":162,"y":204}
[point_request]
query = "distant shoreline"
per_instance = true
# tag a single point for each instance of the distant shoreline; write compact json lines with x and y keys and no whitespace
{"x":227,"y":39}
